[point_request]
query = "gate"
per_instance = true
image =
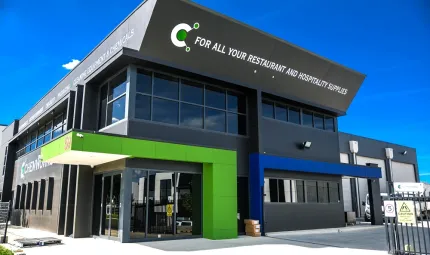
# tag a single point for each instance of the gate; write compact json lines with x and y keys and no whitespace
{"x":407,"y":224}
{"x":4,"y":220}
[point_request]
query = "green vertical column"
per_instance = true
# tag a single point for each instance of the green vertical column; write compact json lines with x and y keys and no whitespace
{"x":219,"y":201}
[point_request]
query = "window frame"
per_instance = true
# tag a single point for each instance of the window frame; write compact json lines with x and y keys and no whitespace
{"x":203,"y":105}
{"x":106,"y":82}
{"x":288,"y":106}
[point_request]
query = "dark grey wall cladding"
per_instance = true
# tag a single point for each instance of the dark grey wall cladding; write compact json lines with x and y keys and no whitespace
{"x":284,"y":139}
{"x":284,"y":216}
{"x":296,"y":216}
{"x":376,"y":149}
{"x":29,"y":169}
{"x":8,"y":133}
{"x":177,"y":134}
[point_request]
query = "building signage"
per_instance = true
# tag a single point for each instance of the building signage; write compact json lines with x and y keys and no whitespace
{"x":408,"y":187}
{"x":183,"y":35}
{"x":406,"y":212}
{"x":33,"y":165}
{"x":389,"y":208}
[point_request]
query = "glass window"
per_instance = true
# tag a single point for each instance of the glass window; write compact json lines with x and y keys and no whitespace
{"x":116,"y":111}
{"x":28,"y":197}
{"x":236,"y":102}
{"x":273,"y":190}
{"x":50,"y":194}
{"x":215,"y":120}
{"x":35,"y":194}
{"x":33,"y":141}
{"x":23,"y":194}
{"x":311,"y":192}
{"x":319,"y":121}
{"x":165,"y":111}
{"x":117,"y":86}
{"x":329,"y":123}
{"x":40,"y":137}
{"x":298,"y":192}
{"x":58,"y":122}
{"x":17,"y":197}
{"x":166,"y":86}
{"x":281,"y":112}
{"x":322,"y":192}
{"x":192,"y":92}
{"x":236,"y":123}
{"x":307,"y":119}
{"x":48,"y":132}
{"x":103,"y":106}
{"x":334,"y":192}
{"x":191,"y":115}
{"x":57,"y":132}
{"x":268,"y":109}
{"x":144,"y":82}
{"x":294,"y":115}
{"x":284,"y":188}
{"x":143,"y":107}
{"x":215,"y":98}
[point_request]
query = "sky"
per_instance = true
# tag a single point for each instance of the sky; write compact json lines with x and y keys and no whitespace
{"x":388,"y":40}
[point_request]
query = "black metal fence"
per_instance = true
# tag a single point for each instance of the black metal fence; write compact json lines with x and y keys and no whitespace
{"x":4,"y":220}
{"x":408,"y":232}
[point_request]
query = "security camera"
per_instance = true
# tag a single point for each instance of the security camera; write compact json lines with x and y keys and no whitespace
{"x":405,"y":152}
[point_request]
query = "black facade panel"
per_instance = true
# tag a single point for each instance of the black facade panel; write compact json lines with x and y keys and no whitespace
{"x":376,"y":149}
{"x":298,"y":216}
{"x":286,"y":139}
{"x":90,"y":108}
{"x":177,"y":134}
{"x":289,"y":216}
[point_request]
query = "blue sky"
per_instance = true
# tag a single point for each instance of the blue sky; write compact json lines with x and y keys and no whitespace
{"x":387,"y":40}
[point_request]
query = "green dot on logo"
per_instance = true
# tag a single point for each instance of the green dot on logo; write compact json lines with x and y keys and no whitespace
{"x":181,"y":35}
{"x":196,"y":25}
{"x":187,"y":49}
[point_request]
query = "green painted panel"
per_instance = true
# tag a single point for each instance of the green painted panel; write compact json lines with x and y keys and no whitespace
{"x":138,"y":148}
{"x":170,"y":151}
{"x":219,"y":172}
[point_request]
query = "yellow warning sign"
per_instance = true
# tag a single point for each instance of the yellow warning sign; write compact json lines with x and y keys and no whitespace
{"x":169,"y":210}
{"x":406,"y":212}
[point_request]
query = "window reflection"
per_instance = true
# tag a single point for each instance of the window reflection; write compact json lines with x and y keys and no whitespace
{"x":191,"y":115}
{"x":215,"y":120}
{"x":116,"y":111}
{"x":319,"y":121}
{"x":307,"y":119}
{"x":268,"y":109}
{"x":143,"y":107}
{"x":281,"y":112}
{"x":165,"y":111}
{"x":166,"y":86}
{"x":192,"y":92}
{"x":144,"y":82}
{"x":215,"y":97}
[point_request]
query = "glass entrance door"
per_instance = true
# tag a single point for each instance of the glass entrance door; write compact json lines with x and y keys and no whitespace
{"x":110,"y":205}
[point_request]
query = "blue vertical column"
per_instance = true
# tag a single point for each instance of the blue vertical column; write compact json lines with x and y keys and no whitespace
{"x":256,"y":188}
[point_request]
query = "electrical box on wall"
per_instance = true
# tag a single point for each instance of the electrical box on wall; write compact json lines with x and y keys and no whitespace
{"x":389,"y":153}
{"x":353,"y":146}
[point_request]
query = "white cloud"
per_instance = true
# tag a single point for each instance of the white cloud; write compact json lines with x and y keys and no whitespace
{"x":424,"y":174}
{"x":72,"y":64}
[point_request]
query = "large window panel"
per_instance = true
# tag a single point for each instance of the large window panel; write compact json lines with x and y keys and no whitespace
{"x":329,"y":123}
{"x":268,"y":110}
{"x":298,"y":191}
{"x":284,"y":187}
{"x":192,"y":92}
{"x":236,"y":123}
{"x":334,"y":192}
{"x":311,"y":192}
{"x":165,"y":111}
{"x":322,"y":192}
{"x":307,"y":119}
{"x":116,"y":111}
{"x":215,"y":97}
{"x":294,"y":115}
{"x":166,"y":86}
{"x":273,"y":187}
{"x":319,"y":121}
{"x":236,"y":102}
{"x":42,"y":194}
{"x":281,"y":112}
{"x":144,"y":82}
{"x":118,"y":86}
{"x":215,"y":120}
{"x":191,"y":115}
{"x":48,"y":132}
{"x":143,"y":107}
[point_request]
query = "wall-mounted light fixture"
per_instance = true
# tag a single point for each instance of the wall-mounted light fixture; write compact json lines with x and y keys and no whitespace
{"x":389,"y":153}
{"x":307,"y":144}
{"x":404,"y":152}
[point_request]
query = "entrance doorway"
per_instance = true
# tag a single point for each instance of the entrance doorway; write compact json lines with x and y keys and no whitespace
{"x":165,"y":204}
{"x":106,"y":205}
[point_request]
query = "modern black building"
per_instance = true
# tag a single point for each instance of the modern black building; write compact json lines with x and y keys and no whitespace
{"x":183,"y":122}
